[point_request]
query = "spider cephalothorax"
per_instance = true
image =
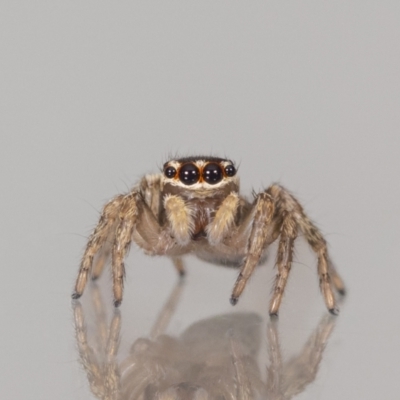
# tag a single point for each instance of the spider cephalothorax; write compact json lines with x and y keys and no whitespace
{"x":194,"y":206}
{"x":193,"y":189}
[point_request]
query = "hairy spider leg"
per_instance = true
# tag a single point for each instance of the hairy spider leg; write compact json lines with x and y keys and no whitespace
{"x":283,"y":261}
{"x":278,"y":213}
{"x":286,"y":202}
{"x":336,"y":279}
{"x":127,"y":216}
{"x":96,"y":241}
{"x":264,"y":211}
{"x":118,"y":225}
{"x":103,"y":256}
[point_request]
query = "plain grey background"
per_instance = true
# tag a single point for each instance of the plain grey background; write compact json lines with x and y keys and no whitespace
{"x":94,"y":94}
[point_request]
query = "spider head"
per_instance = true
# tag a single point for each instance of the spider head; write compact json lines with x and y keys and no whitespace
{"x":200,"y":176}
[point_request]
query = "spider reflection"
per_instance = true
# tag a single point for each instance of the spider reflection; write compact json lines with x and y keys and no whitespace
{"x":214,"y":359}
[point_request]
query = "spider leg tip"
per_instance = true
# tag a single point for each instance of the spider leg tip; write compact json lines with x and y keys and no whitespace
{"x":233,"y":300}
{"x":182,"y":274}
{"x":342,"y":292}
{"x":334,"y":311}
{"x":117,"y":303}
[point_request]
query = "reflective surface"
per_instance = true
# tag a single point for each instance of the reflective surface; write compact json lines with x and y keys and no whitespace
{"x":95,"y":94}
{"x":214,"y":358}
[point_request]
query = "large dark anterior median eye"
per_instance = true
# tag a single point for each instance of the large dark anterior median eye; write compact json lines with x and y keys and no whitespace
{"x":189,"y":174}
{"x":212,"y":173}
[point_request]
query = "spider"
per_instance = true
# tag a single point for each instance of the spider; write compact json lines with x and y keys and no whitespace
{"x":194,"y":206}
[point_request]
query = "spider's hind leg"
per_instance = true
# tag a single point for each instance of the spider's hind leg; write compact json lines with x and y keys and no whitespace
{"x":283,"y":261}
{"x":328,"y":277}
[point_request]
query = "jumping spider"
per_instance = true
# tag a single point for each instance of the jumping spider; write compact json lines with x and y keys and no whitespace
{"x":194,"y":206}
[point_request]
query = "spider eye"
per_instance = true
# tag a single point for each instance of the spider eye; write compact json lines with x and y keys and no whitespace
{"x":212,"y":173}
{"x":189,"y":174}
{"x":230,"y":170}
{"x":170,"y":172}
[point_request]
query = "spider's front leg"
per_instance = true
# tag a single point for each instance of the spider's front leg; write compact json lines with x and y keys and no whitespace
{"x":127,"y":219}
{"x":96,"y":241}
{"x":260,"y":232}
{"x":116,"y":225}
{"x":138,"y":222}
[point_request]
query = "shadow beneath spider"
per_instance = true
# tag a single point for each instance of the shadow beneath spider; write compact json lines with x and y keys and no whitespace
{"x":214,"y":359}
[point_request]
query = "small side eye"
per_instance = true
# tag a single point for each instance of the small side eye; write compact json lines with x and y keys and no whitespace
{"x":230,"y":170}
{"x":170,"y":172}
